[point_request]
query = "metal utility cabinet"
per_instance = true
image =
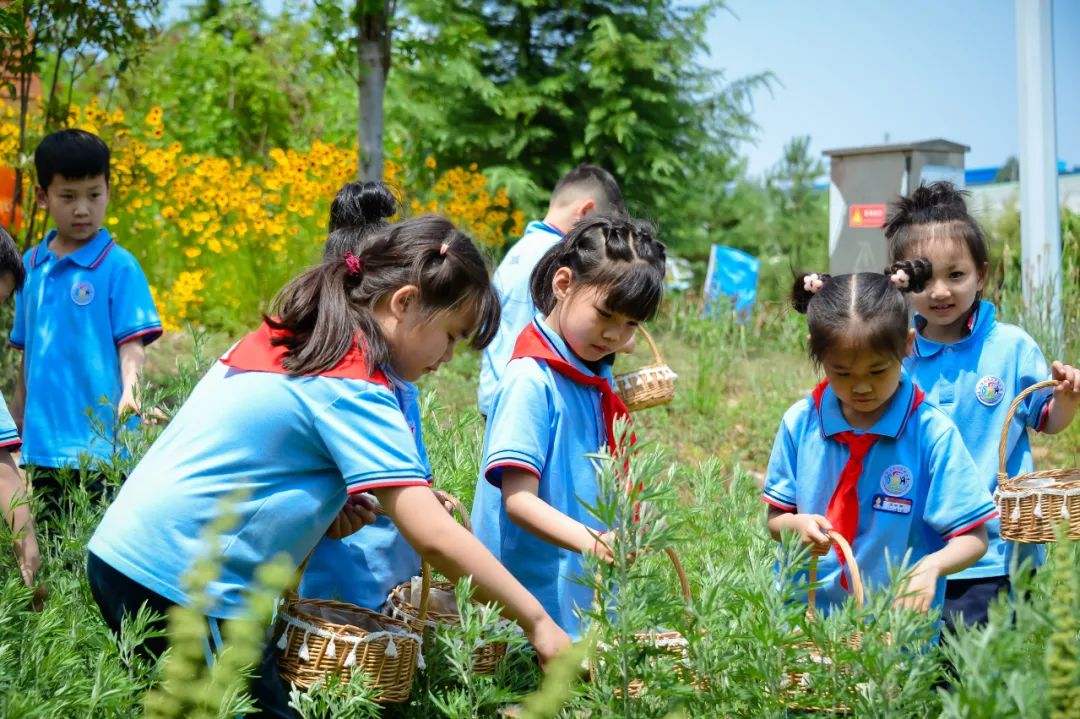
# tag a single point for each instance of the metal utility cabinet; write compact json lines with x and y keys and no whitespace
{"x":864,"y":180}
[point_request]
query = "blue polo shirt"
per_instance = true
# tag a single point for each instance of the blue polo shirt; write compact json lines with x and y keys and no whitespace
{"x":71,"y":315}
{"x":918,"y":487}
{"x":511,"y":282}
{"x":9,"y":434}
{"x":546,"y":424}
{"x":974,"y":381}
{"x":365,"y":566}
{"x":285,"y":449}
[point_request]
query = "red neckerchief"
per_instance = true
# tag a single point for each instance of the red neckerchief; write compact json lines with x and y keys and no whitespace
{"x":532,"y":343}
{"x":843,"y":509}
{"x":256,"y":353}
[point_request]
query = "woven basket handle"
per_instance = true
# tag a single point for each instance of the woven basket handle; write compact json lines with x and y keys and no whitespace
{"x":652,"y":345}
{"x":1003,"y":473}
{"x":854,"y":576}
{"x":684,"y":583}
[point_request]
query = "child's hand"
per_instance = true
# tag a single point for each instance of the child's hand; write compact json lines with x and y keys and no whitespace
{"x":127,"y":407}
{"x":548,"y":639}
{"x":1068,"y":377}
{"x":358,"y":512}
{"x":811,"y":529}
{"x":29,"y":558}
{"x":918,"y":593}
{"x":604,"y":547}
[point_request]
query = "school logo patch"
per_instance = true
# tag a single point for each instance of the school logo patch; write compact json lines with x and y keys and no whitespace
{"x":82,"y":293}
{"x":896,"y":481}
{"x":990,"y":390}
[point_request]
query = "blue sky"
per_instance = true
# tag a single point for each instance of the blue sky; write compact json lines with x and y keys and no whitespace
{"x":851,"y":72}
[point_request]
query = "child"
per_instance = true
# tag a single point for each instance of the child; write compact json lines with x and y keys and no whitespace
{"x":554,"y":406}
{"x":299,"y":418}
{"x":364,"y":567}
{"x":14,"y":500}
{"x":365,"y":205}
{"x":973,"y":366}
{"x":83,"y":320}
{"x":865,"y":455}
{"x":581,"y":192}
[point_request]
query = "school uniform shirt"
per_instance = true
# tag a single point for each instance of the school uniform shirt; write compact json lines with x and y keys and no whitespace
{"x":511,"y":282}
{"x":71,"y":316}
{"x":9,"y":434}
{"x":974,"y":381}
{"x":545,"y":424}
{"x":918,"y":487}
{"x":365,"y":566}
{"x":283,"y":450}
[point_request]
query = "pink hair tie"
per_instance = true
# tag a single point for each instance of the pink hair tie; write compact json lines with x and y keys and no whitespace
{"x":813,"y":283}
{"x":900,"y":279}
{"x":444,"y":249}
{"x":354,"y":264}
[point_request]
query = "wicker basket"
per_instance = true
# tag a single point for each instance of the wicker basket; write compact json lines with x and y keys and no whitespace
{"x":649,"y":386}
{"x":670,"y":641}
{"x":437,"y":604}
{"x":800,"y":693}
{"x":1031,"y":505}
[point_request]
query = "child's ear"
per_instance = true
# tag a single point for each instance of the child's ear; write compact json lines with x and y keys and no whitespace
{"x":403,"y":300}
{"x":41,"y":196}
{"x":561,"y":282}
{"x":587,"y":207}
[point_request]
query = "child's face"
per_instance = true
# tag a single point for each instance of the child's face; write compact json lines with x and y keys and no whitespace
{"x":76,"y":206}
{"x":419,"y":343}
{"x":7,"y":286}
{"x":951,"y":292}
{"x":864,"y":381}
{"x":586,"y":324}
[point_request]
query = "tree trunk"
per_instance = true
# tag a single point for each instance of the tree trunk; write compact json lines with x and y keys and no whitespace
{"x":371,"y":89}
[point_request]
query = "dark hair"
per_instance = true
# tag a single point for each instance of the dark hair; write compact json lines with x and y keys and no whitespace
{"x":358,"y":206}
{"x":931,"y":211}
{"x":865,"y":309}
{"x":74,"y":154}
{"x":595,"y":180}
{"x":10,"y":259}
{"x":618,"y":255}
{"x":327,"y":306}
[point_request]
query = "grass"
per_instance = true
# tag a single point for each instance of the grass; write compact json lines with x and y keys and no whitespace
{"x":703,"y":454}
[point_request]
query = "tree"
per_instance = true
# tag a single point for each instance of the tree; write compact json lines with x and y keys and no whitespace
{"x":1009,"y":172}
{"x":533,"y":87}
{"x":799,"y":221}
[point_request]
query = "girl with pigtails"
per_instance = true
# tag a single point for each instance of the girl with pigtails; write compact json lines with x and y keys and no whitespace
{"x":866,"y":456}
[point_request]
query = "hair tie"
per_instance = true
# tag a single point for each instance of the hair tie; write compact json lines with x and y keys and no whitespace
{"x":813,"y":283}
{"x":900,"y":279}
{"x":354,"y":264}
{"x":444,"y":249}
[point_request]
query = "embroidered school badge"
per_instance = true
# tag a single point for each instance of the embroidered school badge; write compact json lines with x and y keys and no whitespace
{"x":82,"y":293}
{"x":990,"y":390}
{"x":896,"y":481}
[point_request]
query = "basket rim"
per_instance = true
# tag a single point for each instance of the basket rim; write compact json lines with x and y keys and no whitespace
{"x":354,"y":635}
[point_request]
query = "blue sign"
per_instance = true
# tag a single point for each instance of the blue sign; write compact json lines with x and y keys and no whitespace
{"x":731,"y":281}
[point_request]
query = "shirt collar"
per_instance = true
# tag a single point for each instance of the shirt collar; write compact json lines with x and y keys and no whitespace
{"x":980,"y":322}
{"x":558,"y":344}
{"x":540,"y":226}
{"x":90,"y":255}
{"x":891,"y":424}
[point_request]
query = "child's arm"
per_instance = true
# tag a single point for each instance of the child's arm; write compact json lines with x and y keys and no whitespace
{"x":811,"y":528}
{"x":1066,"y":398}
{"x":525,"y":509}
{"x":17,"y":407}
{"x":132,"y":359}
{"x":958,"y":554}
{"x":13,"y":492}
{"x":455,"y":552}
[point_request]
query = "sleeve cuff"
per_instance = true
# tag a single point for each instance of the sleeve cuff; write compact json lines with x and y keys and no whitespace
{"x":970,"y":525}
{"x":146,"y":334}
{"x":1043,"y":416}
{"x":780,"y":504}
{"x":493,"y":472}
{"x":384,"y":483}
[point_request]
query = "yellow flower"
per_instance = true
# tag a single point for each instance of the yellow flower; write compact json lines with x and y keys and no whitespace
{"x":430,"y":162}
{"x":193,"y":252}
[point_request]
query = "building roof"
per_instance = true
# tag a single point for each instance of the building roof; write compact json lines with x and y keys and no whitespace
{"x":937,"y":145}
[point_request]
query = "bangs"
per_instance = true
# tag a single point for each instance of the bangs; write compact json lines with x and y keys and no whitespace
{"x":634,"y":289}
{"x":913,"y":240}
{"x":482,"y":307}
{"x":878,"y":336}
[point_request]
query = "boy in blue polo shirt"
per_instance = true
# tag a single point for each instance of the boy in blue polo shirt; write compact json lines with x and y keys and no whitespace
{"x":12,"y":488}
{"x":82,"y":319}
{"x":582,"y":191}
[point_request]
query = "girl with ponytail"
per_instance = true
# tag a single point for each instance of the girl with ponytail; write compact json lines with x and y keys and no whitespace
{"x":865,"y":455}
{"x":294,"y":425}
